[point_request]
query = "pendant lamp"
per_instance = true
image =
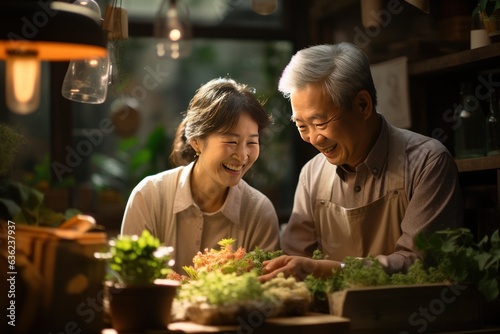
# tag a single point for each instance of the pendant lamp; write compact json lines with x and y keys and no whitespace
{"x":87,"y":80}
{"x":172,"y":29}
{"x":35,"y":31}
{"x":264,"y":7}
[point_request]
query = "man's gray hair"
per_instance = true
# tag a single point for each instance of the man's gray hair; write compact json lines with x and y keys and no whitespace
{"x":341,"y":69}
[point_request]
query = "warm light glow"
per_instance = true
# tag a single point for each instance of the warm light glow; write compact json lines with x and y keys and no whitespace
{"x":175,"y":51}
{"x":22,"y":82}
{"x":93,"y":62}
{"x":54,"y":51}
{"x":264,"y":7}
{"x":174,"y":25}
{"x":173,"y":29}
{"x":90,"y":4}
{"x":175,"y":35}
{"x":33,"y":33}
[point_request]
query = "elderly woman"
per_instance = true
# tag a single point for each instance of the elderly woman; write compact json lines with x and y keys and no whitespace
{"x":205,"y":199}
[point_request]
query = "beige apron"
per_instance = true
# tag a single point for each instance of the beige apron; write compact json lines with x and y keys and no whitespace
{"x":373,"y":229}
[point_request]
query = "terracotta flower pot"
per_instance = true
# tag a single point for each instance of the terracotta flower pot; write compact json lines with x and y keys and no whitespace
{"x":141,"y":308}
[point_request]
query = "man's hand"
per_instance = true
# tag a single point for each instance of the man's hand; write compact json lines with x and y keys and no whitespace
{"x":297,"y":266}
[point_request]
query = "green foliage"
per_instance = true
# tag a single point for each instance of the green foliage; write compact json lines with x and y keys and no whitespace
{"x":138,"y":260}
{"x":367,"y":272}
{"x":450,"y":256}
{"x":462,"y":260}
{"x":132,"y":162}
{"x":317,"y":255}
{"x":362,"y":272}
{"x":489,"y":6}
{"x":217,"y":288}
{"x":41,"y":175}
{"x":10,"y":143}
{"x":258,"y":256}
{"x":418,"y":274}
{"x":319,"y":287}
{"x":25,"y":205}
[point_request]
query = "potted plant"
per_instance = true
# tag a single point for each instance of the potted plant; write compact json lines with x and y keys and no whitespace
{"x":222,"y":287}
{"x":456,"y":253}
{"x":490,"y":15}
{"x":140,"y":296}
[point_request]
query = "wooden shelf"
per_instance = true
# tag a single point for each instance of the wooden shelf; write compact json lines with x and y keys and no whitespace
{"x":486,"y":57}
{"x":478,"y":164}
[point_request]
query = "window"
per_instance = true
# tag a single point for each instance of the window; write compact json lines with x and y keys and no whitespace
{"x":115,"y":144}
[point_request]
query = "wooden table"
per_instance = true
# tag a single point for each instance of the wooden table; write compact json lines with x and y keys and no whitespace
{"x":314,"y":323}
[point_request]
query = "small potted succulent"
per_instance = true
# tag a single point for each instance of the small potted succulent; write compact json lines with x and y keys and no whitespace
{"x":140,"y":295}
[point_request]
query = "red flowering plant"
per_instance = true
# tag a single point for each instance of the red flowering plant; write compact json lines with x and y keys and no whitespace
{"x":227,"y":260}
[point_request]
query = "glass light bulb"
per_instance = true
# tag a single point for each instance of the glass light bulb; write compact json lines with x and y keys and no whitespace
{"x":87,"y":80}
{"x":264,"y":7}
{"x":90,"y":4}
{"x":173,"y":29}
{"x":22,"y":82}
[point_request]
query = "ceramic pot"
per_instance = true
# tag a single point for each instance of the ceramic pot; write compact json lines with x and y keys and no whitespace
{"x":141,"y":308}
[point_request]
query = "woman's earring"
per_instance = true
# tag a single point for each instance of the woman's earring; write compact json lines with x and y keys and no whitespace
{"x":197,"y":154}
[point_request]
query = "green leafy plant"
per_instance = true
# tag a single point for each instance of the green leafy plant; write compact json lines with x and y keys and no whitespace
{"x":25,"y":205}
{"x":217,"y":288}
{"x":450,"y":256}
{"x":40,"y":177}
{"x":455,"y":253}
{"x":489,"y":6}
{"x":130,"y":164}
{"x":137,"y":260}
{"x":258,"y":256}
{"x":22,"y":202}
{"x":368,"y":272}
{"x":10,"y":143}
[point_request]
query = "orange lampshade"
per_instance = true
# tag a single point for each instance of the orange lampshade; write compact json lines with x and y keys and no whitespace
{"x":55,"y":30}
{"x":35,"y":31}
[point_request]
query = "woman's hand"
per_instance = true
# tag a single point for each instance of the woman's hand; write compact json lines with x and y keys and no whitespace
{"x":297,"y":266}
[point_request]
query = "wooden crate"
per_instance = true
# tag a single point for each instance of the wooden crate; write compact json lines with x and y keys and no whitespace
{"x":58,"y":281}
{"x":408,"y":309}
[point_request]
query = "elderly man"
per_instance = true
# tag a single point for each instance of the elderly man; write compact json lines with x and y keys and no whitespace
{"x":373,"y":187}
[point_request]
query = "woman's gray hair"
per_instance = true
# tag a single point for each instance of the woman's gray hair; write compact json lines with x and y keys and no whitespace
{"x":342,"y":69}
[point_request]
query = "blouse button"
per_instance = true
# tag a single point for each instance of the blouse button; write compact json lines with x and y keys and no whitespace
{"x":396,"y":192}
{"x":322,"y":202}
{"x":374,"y":171}
{"x":357,"y":189}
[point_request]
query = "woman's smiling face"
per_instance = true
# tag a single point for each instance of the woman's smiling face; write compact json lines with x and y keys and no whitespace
{"x":338,"y":134}
{"x":226,"y":157}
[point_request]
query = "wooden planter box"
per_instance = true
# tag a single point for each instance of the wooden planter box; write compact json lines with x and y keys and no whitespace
{"x":409,"y":309}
